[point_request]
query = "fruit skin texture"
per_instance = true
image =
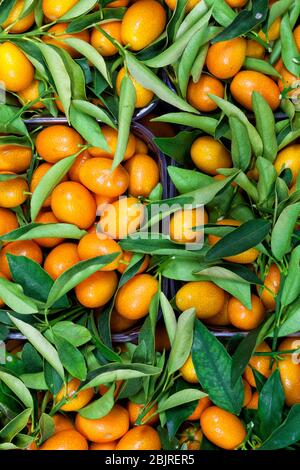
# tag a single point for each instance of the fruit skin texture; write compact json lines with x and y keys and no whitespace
{"x":72,"y":203}
{"x":222,"y":318}
{"x":202,"y":405}
{"x":236,"y":3}
{"x":26,"y":248}
{"x":197,"y":93}
{"x":134,"y":411}
{"x":273,"y":32}
{"x":96,"y":175}
{"x":247,"y":393}
{"x":57,"y":142}
{"x":125,"y":260}
{"x":143,"y":95}
{"x":118,"y":324}
{"x":8,"y":221}
{"x":61,"y":258}
{"x":188,"y":371}
{"x":122,"y":217}
{"x":254,"y":49}
{"x":91,"y":246}
{"x":260,"y":363}
{"x":208,"y":155}
{"x":207,"y":298}
{"x":182,"y":223}
{"x":111,"y":137}
{"x":16,"y":70}
{"x":253,"y":403}
{"x":272,"y":282}
{"x":56,"y":9}
{"x":31,"y":93}
{"x":142,"y":23}
{"x":65,"y":440}
{"x":297,"y":36}
{"x":97,"y":289}
{"x":47,"y":218}
{"x":289,"y":157}
{"x":246,"y":257}
{"x":59,"y":31}
{"x":133,"y":298}
{"x":79,"y":401}
{"x":189,"y":6}
{"x":104,"y":446}
{"x":12,"y":192}
{"x":15,"y":158}
{"x":247,"y":81}
{"x":289,"y":370}
{"x":222,"y":428}
{"x":243,"y":318}
{"x":22,"y":24}
{"x":107,"y":429}
{"x":101,"y":43}
{"x":140,"y":438}
{"x":62,"y":423}
{"x":73,"y":173}
{"x":225,"y":58}
{"x":143,"y":174}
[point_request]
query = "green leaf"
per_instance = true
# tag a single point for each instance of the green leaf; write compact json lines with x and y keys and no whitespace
{"x":91,"y":54}
{"x":150,"y":81}
{"x":247,"y":236}
{"x":80,"y":8}
{"x":76,"y":274}
{"x":282,"y":232}
{"x":188,"y":180}
{"x":183,"y":340}
{"x":289,"y":49}
{"x":35,"y":381}
{"x":267,"y":178}
{"x":101,"y":407}
{"x":37,"y":284}
{"x":15,"y":426}
{"x":245,"y":21}
{"x":233,"y":111}
{"x":175,"y":50}
{"x":286,"y":434}
{"x":52,"y":378}
{"x":71,"y":358}
{"x":59,"y":73}
{"x":240,"y":144}
{"x":213,"y":368}
{"x":18,"y":388}
{"x":93,"y":111}
{"x":47,"y":427}
{"x":204,"y":123}
{"x":244,"y":351}
{"x":40,"y":343}
{"x":34,"y":230}
{"x":291,"y":287}
{"x":126,"y":110}
{"x":88,"y":127}
{"x":177,"y":147}
{"x":291,"y":321}
{"x":271,"y":404}
{"x":48,"y":183}
{"x":169,"y":317}
{"x":13,"y":296}
{"x":179,"y":398}
{"x":113,"y":372}
{"x":265,"y":124}
{"x":262,"y":66}
{"x":74,"y":333}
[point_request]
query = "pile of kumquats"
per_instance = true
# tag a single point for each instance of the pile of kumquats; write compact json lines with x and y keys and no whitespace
{"x":149,"y":225}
